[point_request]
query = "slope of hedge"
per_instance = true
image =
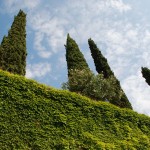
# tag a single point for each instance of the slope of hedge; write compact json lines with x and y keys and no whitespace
{"x":37,"y":117}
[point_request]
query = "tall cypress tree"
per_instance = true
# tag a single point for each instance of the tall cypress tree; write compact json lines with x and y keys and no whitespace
{"x":74,"y":57}
{"x":76,"y":63}
{"x":146,"y":74}
{"x":102,"y":67}
{"x":100,"y":61}
{"x":13,"y":47}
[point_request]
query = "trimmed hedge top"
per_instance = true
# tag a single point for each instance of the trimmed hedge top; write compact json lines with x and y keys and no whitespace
{"x":37,"y":117}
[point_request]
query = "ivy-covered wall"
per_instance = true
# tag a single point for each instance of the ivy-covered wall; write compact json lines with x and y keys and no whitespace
{"x":35,"y":116}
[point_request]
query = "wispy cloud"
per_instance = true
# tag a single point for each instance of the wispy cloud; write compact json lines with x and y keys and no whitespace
{"x":119,"y":4}
{"x":39,"y":46}
{"x":81,"y":19}
{"x":38,"y":70}
{"x":138,"y":91}
{"x":14,"y":5}
{"x":50,"y":29}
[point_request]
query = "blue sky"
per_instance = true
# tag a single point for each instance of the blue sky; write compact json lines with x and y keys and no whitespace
{"x":121,"y":29}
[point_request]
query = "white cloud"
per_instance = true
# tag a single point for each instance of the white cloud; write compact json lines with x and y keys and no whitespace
{"x":38,"y":70}
{"x":38,"y":41}
{"x":45,"y":54}
{"x":79,"y":18}
{"x":61,"y":62}
{"x":138,"y":92}
{"x":48,"y":30}
{"x":15,"y":5}
{"x":42,"y":51}
{"x":118,"y":4}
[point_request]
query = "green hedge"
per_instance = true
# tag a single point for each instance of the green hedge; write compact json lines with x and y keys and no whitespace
{"x":38,"y":117}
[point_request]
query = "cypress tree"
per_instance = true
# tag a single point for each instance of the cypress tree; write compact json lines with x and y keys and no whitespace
{"x":76,"y":63}
{"x":74,"y":57}
{"x":146,"y":74}
{"x":100,"y":61}
{"x":102,"y":67}
{"x":13,"y":47}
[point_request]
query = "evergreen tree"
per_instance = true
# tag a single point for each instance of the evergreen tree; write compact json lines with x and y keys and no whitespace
{"x":74,"y":57}
{"x":146,"y":74}
{"x":75,"y":60}
{"x":102,"y":67}
{"x":13,"y":47}
{"x":100,"y":61}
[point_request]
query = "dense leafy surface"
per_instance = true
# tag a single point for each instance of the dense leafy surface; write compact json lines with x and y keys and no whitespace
{"x":36,"y":117}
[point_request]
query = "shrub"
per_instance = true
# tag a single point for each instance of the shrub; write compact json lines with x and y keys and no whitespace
{"x":94,"y":86}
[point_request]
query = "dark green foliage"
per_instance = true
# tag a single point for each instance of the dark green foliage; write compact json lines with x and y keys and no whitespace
{"x":100,"y":61}
{"x":37,"y":117}
{"x":122,"y":102}
{"x":102,"y":67}
{"x":74,"y":57}
{"x":146,"y":74}
{"x":13,"y":47}
{"x":75,"y":60}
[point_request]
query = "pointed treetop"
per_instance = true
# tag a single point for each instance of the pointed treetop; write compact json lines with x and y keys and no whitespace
{"x":21,"y":12}
{"x":146,"y":74}
{"x":68,"y":36}
{"x":100,"y":61}
{"x":74,"y":57}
